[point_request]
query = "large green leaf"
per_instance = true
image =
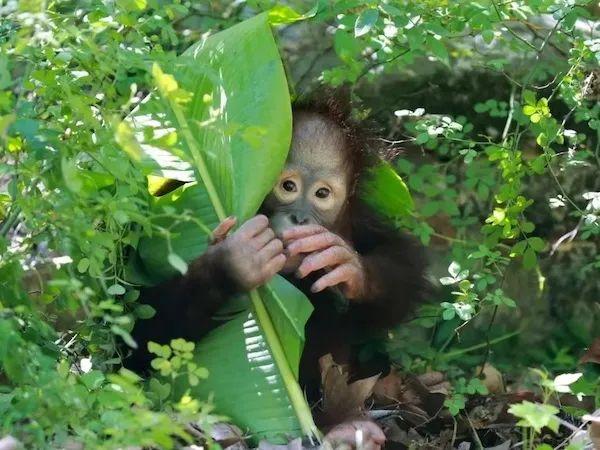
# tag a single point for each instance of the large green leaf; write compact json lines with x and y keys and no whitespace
{"x":187,"y":239}
{"x":247,"y":144}
{"x":235,"y":132}
{"x":385,"y":191}
{"x":243,"y":378}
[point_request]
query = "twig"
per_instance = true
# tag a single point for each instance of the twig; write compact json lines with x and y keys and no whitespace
{"x":367,"y":69}
{"x":474,"y":432}
{"x":511,"y":103}
{"x":454,"y":430}
{"x":554,"y":46}
{"x":312,"y":65}
{"x":487,"y":341}
{"x":562,"y":190}
{"x":566,"y":237}
{"x":461,"y":351}
{"x":511,"y":31}
{"x":568,"y":438}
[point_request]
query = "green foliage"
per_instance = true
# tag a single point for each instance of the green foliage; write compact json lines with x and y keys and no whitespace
{"x":496,"y":104}
{"x":176,"y":359}
{"x":81,"y":205}
{"x":536,"y":415}
{"x":456,"y":402}
{"x":385,"y":191}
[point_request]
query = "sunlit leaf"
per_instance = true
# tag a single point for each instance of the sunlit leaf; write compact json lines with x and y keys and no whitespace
{"x":365,"y":21}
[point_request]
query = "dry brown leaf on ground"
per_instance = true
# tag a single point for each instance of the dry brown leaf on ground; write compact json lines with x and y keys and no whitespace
{"x":342,"y":400}
{"x":415,"y":399}
{"x":592,"y":354}
{"x":487,"y":414}
{"x":408,"y":389}
{"x":491,"y":378}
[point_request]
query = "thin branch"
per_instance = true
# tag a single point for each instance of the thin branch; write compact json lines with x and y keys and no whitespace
{"x":511,"y":103}
{"x":474,"y":432}
{"x":511,"y":31}
{"x":312,"y":64}
{"x":367,"y":69}
{"x":562,"y":190}
{"x":554,"y":46}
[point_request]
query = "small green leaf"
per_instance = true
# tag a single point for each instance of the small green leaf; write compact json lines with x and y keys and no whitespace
{"x":282,"y":14}
{"x":365,"y":21}
{"x":164,"y":351}
{"x":385,"y":191}
{"x":124,"y":335}
{"x":161,"y":389}
{"x":488,"y":36}
{"x":145,"y":312}
{"x":448,"y":314}
{"x":422,"y":138}
{"x":92,"y":380}
{"x":177,"y":263}
{"x":537,"y":243}
{"x":116,"y":289}
{"x":536,"y":415}
{"x":529,"y":97}
{"x":438,"y":49}
{"x":538,"y":165}
{"x":83,"y":265}
{"x":518,"y":248}
{"x":529,"y":258}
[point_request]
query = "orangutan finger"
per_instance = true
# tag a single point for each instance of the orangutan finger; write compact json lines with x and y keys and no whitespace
{"x":272,"y":249}
{"x":263,"y":238}
{"x":372,"y":431}
{"x":357,"y":434}
{"x":253,"y":226}
{"x":220,"y":232}
{"x":337,"y":276}
{"x":301,"y":231}
{"x":329,"y":257}
{"x":274,"y":266}
{"x":313,"y":243}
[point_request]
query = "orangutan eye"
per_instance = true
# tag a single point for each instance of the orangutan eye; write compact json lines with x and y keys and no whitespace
{"x":322,"y":193}
{"x":289,"y":186}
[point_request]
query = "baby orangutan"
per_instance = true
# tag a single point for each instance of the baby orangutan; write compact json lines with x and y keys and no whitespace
{"x":314,"y":230}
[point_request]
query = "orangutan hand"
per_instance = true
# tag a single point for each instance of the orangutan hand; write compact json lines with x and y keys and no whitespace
{"x":326,"y":250}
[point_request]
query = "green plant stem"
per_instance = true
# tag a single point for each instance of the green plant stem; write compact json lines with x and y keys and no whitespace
{"x":298,"y":401}
{"x":199,"y":161}
{"x":524,"y":433}
{"x":461,"y":351}
{"x":10,"y":221}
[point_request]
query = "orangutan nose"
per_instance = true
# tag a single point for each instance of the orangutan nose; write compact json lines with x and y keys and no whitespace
{"x":299,"y":220}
